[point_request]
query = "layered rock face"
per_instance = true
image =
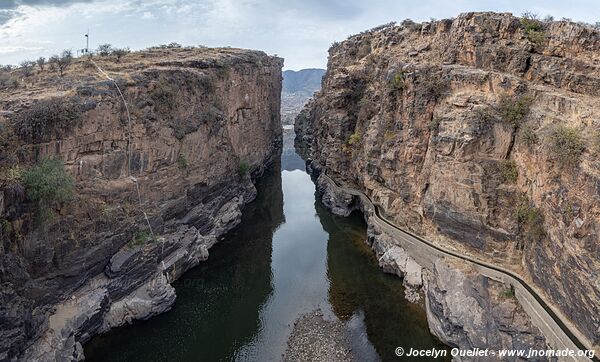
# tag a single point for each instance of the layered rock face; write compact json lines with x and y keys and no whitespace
{"x":204,"y":124}
{"x":480,"y":133}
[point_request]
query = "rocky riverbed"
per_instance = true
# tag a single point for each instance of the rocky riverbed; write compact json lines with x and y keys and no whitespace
{"x":317,"y":339}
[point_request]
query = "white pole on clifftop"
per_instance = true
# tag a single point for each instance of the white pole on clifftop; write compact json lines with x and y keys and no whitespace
{"x":87,"y":41}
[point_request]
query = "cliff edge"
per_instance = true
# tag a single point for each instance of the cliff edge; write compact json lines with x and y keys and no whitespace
{"x":103,"y":203}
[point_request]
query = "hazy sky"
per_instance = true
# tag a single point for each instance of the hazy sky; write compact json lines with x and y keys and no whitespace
{"x":298,"y":30}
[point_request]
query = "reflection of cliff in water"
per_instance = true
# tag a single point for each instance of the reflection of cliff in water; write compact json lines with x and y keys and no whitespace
{"x":218,"y":303}
{"x":358,"y":287}
{"x":290,"y":160}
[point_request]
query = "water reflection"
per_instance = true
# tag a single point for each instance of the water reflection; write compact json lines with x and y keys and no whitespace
{"x":218,"y":303}
{"x":358,"y":289}
{"x":289,"y":256}
{"x":290,"y":160}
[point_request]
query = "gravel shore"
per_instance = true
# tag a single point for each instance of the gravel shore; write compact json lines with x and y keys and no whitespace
{"x":316,"y":339}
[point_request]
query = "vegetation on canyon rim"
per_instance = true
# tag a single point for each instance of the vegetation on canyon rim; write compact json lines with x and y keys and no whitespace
{"x":47,"y":118}
{"x":12,"y":77}
{"x":534,"y":28}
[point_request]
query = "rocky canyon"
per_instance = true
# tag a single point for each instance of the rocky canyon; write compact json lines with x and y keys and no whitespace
{"x":481,"y":134}
{"x":443,"y":193}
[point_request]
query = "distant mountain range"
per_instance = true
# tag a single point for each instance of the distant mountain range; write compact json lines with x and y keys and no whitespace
{"x":298,"y":87}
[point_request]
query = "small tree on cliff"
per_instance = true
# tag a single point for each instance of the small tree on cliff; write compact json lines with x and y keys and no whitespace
{"x":63,"y":61}
{"x":48,"y":185}
{"x":104,"y":50}
{"x":120,"y":53}
{"x":27,"y":68}
{"x":41,"y":62}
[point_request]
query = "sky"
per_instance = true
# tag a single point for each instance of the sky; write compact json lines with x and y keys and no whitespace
{"x":300,"y":31}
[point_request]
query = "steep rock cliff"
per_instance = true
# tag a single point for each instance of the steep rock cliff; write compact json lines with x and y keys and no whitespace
{"x":480,"y":133}
{"x":151,"y":195}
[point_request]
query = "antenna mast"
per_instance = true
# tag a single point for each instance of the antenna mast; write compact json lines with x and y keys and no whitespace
{"x":87,"y":41}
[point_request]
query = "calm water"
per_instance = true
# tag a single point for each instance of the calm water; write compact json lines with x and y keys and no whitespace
{"x":289,"y":256}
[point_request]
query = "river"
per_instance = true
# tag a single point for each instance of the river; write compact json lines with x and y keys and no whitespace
{"x":289,"y":256}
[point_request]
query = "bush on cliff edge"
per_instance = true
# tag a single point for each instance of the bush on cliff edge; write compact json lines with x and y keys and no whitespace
{"x":48,"y":185}
{"x":47,"y":118}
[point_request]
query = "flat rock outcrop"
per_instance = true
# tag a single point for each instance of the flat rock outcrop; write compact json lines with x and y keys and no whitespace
{"x":158,"y":181}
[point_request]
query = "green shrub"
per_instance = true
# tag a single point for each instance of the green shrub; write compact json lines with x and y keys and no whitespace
{"x":513,"y":110}
{"x":223,"y":70}
{"x":536,"y":37}
{"x":11,"y":176}
{"x":568,"y":209}
{"x":354,"y":138}
{"x":533,"y":28}
{"x":397,"y":82}
{"x":164,"y":96}
{"x":566,"y":146}
{"x":507,"y":293}
{"x":485,"y":116}
{"x":529,"y":136}
{"x":142,"y":237}
{"x":55,"y":116}
{"x":5,"y":228}
{"x":243,"y":168}
{"x":432,"y":87}
{"x":182,"y":161}
{"x":531,"y":221}
{"x":434,"y":124}
{"x":48,"y":185}
{"x":509,"y":171}
{"x":8,"y":80}
{"x":6,"y":140}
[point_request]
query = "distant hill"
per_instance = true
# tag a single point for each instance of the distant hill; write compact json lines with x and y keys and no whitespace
{"x":306,"y":80}
{"x":298,"y":87}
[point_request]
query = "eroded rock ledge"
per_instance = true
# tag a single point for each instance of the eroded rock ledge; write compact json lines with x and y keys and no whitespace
{"x":205,"y":124}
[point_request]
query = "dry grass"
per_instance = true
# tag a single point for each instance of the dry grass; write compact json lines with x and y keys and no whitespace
{"x":48,"y":83}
